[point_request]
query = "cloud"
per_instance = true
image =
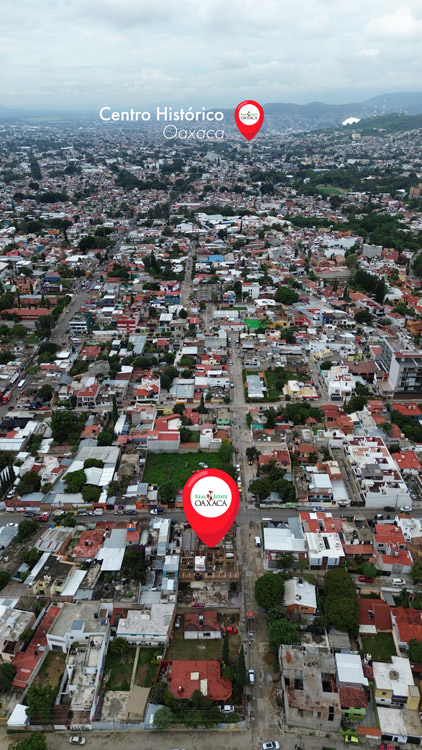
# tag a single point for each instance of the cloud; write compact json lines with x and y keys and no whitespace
{"x":368,"y":53}
{"x":401,"y":24}
{"x":84,"y":53}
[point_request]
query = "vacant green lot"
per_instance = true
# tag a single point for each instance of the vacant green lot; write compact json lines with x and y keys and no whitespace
{"x":147,"y":666}
{"x":202,"y":649}
{"x":380,"y":646}
{"x":118,"y":670}
{"x":330,"y":190}
{"x":177,"y":468}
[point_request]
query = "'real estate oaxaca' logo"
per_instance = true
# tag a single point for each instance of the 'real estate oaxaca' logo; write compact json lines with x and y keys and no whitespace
{"x":249,"y":117}
{"x":211,"y":501}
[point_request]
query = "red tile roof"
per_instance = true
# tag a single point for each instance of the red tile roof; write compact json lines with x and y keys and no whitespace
{"x":187,"y":676}
{"x":353,"y":697}
{"x":409,"y":623}
{"x":382,"y":614}
{"x":26,"y":661}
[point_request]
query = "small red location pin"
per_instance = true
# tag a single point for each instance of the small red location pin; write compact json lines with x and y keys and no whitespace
{"x":249,"y":117}
{"x":211,"y":501}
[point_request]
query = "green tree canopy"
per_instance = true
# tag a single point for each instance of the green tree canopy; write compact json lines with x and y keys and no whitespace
{"x":269,"y":590}
{"x":283,"y":632}
{"x":40,"y":701}
{"x":163,"y":718}
{"x":285,"y":295}
{"x":7,"y":673}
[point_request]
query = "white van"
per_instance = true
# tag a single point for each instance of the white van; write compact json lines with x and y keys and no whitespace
{"x":257,"y":541}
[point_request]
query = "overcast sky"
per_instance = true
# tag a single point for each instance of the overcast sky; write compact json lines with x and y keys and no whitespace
{"x":82,"y":54}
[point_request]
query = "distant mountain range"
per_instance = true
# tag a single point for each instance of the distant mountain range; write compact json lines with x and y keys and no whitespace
{"x":279,"y":115}
{"x":320,"y":115}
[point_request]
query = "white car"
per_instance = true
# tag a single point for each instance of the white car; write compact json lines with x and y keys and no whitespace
{"x":204,"y":466}
{"x":251,"y":677}
{"x":273,"y":745}
{"x":405,"y":508}
{"x":227,"y":709}
{"x":398,"y":582}
{"x":77,"y":740}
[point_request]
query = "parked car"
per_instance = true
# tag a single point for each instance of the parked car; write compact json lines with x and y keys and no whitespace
{"x":366,"y":579}
{"x":156,"y":511}
{"x":317,"y":509}
{"x":405,"y":508}
{"x":231,"y":630}
{"x":132,"y":512}
{"x":77,"y":739}
{"x":178,"y":621}
{"x":398,"y":582}
{"x":198,"y":604}
{"x":389,"y":508}
{"x":272,"y":745}
{"x":29,"y":514}
{"x":44,"y":518}
{"x":351,"y":738}
{"x":389,"y":746}
{"x":251,"y":677}
{"x":226,"y":709}
{"x":204,"y":466}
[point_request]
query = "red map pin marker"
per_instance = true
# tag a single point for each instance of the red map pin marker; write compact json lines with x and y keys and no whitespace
{"x":249,"y":117}
{"x":211,"y":501}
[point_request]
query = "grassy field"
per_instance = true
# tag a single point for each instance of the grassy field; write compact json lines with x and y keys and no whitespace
{"x":380,"y":646}
{"x":147,"y":666}
{"x":202,"y":649}
{"x":51,"y":670}
{"x":330,"y":190}
{"x":177,"y":468}
{"x":118,"y":670}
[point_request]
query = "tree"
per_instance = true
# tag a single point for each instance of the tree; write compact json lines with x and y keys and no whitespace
{"x":67,"y":520}
{"x":134,"y":563}
{"x":241,"y":676}
{"x":185,"y":435}
{"x":326,"y":365}
{"x":355,"y":403}
{"x":7,"y":673}
{"x":415,"y":651}
{"x":163,"y":718}
{"x":416,"y":572}
{"x":277,"y":612}
{"x":363,"y":317}
{"x":66,"y":426}
{"x":283,"y":632}
{"x":286,"y":296}
{"x":45,"y":393}
{"x":167,"y":493}
{"x":269,"y":590}
{"x":369,"y":571}
{"x":285,"y":560}
{"x":4,"y":579}
{"x":225,"y":453}
{"x":252,"y":453}
{"x":91,"y":494}
{"x":30,"y":482}
{"x":202,"y":408}
{"x":31,"y":556}
{"x":43,"y":325}
{"x":119,"y":646}
{"x":40,"y":701}
{"x":105,"y":437}
{"x":225,"y":650}
{"x":75,"y":480}
{"x":25,"y":529}
{"x":341,"y":604}
{"x":183,"y":313}
{"x":115,"y":411}
{"x":35,"y":741}
{"x":179,"y":409}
